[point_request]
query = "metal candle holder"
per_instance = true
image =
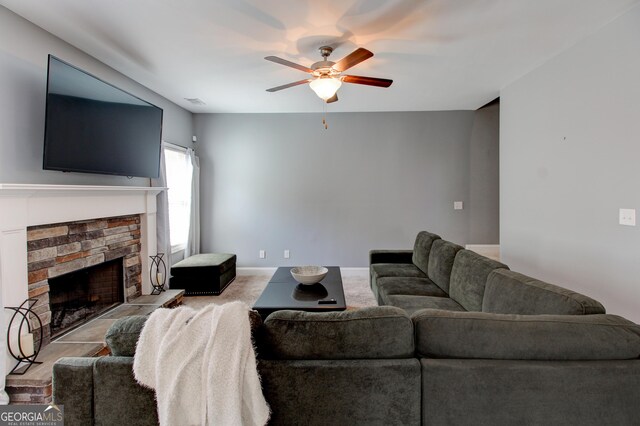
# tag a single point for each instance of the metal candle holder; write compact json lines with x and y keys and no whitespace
{"x":157,"y":273}
{"x":23,"y":311}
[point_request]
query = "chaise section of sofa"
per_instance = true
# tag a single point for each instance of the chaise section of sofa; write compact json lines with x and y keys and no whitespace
{"x":443,"y":275}
{"x":495,"y":369}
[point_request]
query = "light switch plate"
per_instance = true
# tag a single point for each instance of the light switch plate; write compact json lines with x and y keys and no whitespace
{"x":286,"y":254}
{"x":627,"y":217}
{"x":262,"y":254}
{"x":458,"y":205}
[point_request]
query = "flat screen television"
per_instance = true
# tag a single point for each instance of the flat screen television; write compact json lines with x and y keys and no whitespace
{"x":94,"y":127}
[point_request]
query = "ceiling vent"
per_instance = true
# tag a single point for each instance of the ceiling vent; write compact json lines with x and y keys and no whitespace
{"x":195,"y":101}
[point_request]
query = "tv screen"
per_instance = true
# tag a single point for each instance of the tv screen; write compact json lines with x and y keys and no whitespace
{"x":94,"y":127}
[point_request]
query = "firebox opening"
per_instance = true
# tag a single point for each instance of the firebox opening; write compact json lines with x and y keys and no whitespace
{"x":79,"y":296}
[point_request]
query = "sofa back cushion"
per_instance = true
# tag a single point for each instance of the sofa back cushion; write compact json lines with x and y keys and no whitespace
{"x":441,"y":258}
{"x":422,"y":248}
{"x":367,"y":333}
{"x":122,"y":337}
{"x":509,"y":292}
{"x":448,"y":334}
{"x":469,"y":277}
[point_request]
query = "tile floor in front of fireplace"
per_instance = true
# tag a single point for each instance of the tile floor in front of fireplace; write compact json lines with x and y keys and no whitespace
{"x":34,"y":387}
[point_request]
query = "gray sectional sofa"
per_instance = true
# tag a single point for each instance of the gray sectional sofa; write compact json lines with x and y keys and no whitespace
{"x":469,"y":342}
{"x":438,"y":274}
{"x":378,"y":366}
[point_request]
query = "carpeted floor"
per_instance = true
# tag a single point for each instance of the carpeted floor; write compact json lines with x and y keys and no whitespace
{"x":248,"y":288}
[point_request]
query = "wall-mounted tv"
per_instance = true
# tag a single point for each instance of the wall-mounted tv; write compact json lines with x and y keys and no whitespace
{"x":94,"y":127}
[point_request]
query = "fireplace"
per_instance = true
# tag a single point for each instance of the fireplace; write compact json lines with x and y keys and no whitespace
{"x":79,"y":296}
{"x":68,"y":251}
{"x":27,"y":264}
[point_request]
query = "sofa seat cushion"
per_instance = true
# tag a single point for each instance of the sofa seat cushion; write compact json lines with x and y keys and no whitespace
{"x":446,"y":334}
{"x":509,"y":292}
{"x":422,"y":248}
{"x":469,"y":278}
{"x":412,"y":304}
{"x":367,"y":333}
{"x":382,"y":270}
{"x":407,"y":285}
{"x":441,"y":258}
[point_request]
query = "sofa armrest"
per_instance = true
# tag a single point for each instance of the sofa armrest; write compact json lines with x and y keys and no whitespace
{"x":73,"y":388}
{"x":390,"y":256}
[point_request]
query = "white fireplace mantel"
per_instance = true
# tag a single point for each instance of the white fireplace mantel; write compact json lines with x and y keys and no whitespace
{"x":24,"y":205}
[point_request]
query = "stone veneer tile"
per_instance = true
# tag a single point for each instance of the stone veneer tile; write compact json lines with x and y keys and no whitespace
{"x":116,"y":230}
{"x":34,"y":266}
{"x":131,"y":260}
{"x":93,"y":243}
{"x":38,"y":284}
{"x":70,"y":257}
{"x":121,"y":252}
{"x":42,"y":254}
{"x":110,"y":239}
{"x":69,"y":248}
{"x":123,"y":244}
{"x":95,"y":259}
{"x":38,"y":233}
{"x":37,"y":276}
{"x":64,"y":268}
{"x":38,"y":291}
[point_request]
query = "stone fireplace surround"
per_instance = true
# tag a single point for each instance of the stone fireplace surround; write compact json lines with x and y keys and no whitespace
{"x":31,"y":205}
{"x":58,"y":249}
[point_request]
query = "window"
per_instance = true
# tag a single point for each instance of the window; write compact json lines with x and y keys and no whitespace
{"x":179,"y":172}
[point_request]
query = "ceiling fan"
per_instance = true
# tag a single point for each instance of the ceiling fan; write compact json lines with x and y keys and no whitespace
{"x":327,"y":75}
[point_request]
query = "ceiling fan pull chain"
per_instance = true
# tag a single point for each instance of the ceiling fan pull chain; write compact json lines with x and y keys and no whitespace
{"x":324,"y":113}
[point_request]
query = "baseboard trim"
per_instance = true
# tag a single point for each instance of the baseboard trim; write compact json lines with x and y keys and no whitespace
{"x":492,"y":251}
{"x":250,"y":270}
{"x":354,"y":272}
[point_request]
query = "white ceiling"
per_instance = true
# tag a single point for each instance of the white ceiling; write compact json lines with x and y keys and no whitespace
{"x":441,"y":54}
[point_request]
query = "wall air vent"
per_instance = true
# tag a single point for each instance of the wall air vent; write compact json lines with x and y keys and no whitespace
{"x":195,"y":101}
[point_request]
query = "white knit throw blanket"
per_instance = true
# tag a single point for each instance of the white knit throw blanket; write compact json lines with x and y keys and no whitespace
{"x":202,"y":366}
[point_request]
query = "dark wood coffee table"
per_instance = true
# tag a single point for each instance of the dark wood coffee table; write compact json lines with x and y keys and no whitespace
{"x":283,"y":292}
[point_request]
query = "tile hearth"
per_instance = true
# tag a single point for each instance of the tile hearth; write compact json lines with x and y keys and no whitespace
{"x":35,"y":386}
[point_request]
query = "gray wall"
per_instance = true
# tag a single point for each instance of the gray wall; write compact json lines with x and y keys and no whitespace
{"x":23,"y":70}
{"x":484,"y":177}
{"x":570,"y":147}
{"x":372,"y":180}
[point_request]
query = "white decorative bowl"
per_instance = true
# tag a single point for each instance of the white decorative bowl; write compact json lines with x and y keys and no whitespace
{"x":309,"y":274}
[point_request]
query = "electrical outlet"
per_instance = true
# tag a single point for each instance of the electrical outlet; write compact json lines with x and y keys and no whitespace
{"x":262,"y":254}
{"x":627,"y":217}
{"x":286,"y":254}
{"x":457,"y":205}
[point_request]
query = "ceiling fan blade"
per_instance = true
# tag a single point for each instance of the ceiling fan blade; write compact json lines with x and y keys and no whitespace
{"x":332,"y":99}
{"x":286,"y":86}
{"x":353,"y":58}
{"x":288,"y":63}
{"x":369,"y":81}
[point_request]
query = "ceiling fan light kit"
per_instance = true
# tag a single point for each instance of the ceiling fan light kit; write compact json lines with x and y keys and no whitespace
{"x":326,"y":75}
{"x":325,"y":87}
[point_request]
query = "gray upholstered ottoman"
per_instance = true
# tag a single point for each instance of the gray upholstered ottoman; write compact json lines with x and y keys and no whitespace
{"x":203,"y":274}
